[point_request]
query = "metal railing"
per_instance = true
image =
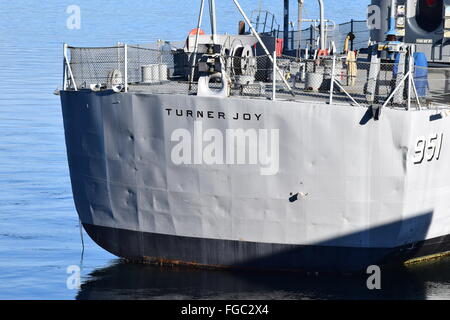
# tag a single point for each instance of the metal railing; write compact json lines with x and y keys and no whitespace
{"x":307,"y":38}
{"x":330,"y":80}
{"x":412,"y":87}
{"x":264,"y":21}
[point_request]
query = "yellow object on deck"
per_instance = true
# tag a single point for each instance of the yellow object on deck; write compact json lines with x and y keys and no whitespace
{"x":352,"y":68}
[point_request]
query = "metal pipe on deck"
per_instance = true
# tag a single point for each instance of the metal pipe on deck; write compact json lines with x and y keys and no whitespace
{"x":212,"y":15}
{"x":125,"y":48}
{"x":300,"y":13}
{"x":299,"y":26}
{"x":286,"y":25}
{"x":322,"y":25}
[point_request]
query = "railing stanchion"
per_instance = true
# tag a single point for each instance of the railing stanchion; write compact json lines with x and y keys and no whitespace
{"x":69,"y":68}
{"x":274,"y":75}
{"x":408,"y":107}
{"x":126,"y":67}
{"x":352,"y":30}
{"x":332,"y":80}
{"x":419,"y":105}
{"x":64,"y":67}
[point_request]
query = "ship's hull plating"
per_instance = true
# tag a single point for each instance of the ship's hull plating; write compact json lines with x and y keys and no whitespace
{"x":363,"y":195}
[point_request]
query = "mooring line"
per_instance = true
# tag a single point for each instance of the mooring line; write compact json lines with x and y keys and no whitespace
{"x":82,"y":242}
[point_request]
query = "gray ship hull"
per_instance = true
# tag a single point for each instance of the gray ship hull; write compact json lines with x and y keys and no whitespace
{"x":222,"y":254}
{"x":348,"y":191}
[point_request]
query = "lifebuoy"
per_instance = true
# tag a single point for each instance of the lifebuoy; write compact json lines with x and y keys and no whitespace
{"x":194,"y":32}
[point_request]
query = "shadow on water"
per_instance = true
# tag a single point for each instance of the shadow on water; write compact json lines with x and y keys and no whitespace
{"x":424,"y":280}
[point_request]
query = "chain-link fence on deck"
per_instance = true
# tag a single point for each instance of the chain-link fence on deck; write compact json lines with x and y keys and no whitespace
{"x":307,"y":78}
{"x":155,"y":70}
{"x":134,"y":66}
{"x":169,"y":70}
{"x":368,"y":83}
{"x":92,"y":66}
{"x":432,"y":85}
{"x":356,"y":82}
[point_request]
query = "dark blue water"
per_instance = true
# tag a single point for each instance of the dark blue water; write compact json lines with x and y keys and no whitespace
{"x":39,"y":234}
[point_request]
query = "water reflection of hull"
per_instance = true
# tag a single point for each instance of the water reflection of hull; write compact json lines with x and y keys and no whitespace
{"x":366,"y":199}
{"x":133,"y":281}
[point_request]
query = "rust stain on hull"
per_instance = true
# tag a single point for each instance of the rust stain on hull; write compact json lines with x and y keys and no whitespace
{"x":179,"y":263}
{"x":426,"y":258}
{"x":163,"y":262}
{"x":195,"y":265}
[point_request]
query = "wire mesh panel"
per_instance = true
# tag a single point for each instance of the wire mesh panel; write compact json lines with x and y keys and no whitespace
{"x":432,"y":85}
{"x":91,"y":66}
{"x":143,"y":68}
{"x":149,"y":65}
{"x":368,"y":83}
{"x":355,"y":81}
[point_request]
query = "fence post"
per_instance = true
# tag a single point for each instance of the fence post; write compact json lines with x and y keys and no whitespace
{"x":352,"y":30}
{"x":410,"y":79}
{"x":447,"y":81}
{"x":292,"y":40}
{"x":274,"y":75}
{"x":265,"y":22}
{"x":332,"y":80}
{"x":126,"y":67}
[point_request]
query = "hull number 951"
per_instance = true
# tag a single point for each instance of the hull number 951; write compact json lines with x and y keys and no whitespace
{"x":428,"y":148}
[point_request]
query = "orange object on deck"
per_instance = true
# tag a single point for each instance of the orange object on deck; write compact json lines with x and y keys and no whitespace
{"x":279,"y":47}
{"x":194,"y":32}
{"x":322,"y":53}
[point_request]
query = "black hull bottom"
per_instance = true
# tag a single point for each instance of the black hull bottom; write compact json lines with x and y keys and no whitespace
{"x":179,"y":250}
